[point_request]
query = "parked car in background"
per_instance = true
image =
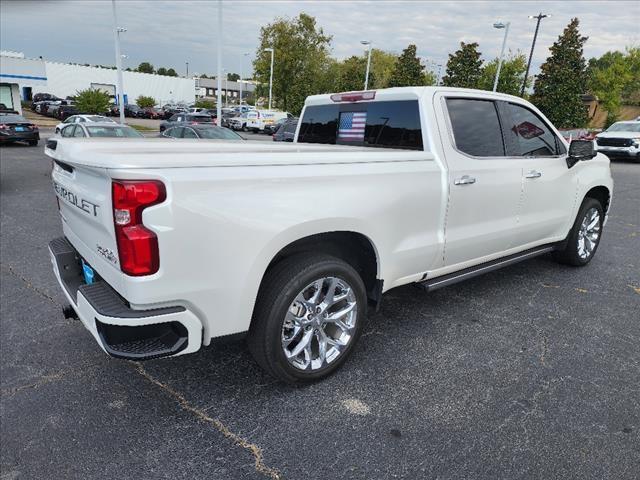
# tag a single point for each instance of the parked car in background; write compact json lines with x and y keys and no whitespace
{"x":40,"y":97}
{"x":132,"y":110}
{"x":83,"y":119}
{"x":577,"y":134}
{"x":152,"y":113}
{"x":16,"y":128}
{"x":237,"y":122}
{"x":287,"y":131}
{"x":99,"y":129}
{"x":203,"y":131}
{"x":272,"y":128}
{"x":65,"y":111}
{"x":179,"y":118}
{"x":620,"y":140}
{"x":257,"y":120}
{"x":226,"y":118}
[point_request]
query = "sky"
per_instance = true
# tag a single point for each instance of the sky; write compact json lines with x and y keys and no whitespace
{"x":171,"y":33}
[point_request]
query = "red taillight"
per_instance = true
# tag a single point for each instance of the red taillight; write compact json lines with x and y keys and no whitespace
{"x":137,"y":245}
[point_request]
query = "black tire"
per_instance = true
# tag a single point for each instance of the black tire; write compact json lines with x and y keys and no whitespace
{"x":244,"y":127}
{"x":279,"y":288}
{"x":57,"y":130}
{"x":33,"y":143}
{"x":569,"y":255}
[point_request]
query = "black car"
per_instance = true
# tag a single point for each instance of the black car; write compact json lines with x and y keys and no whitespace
{"x":66,"y":111}
{"x":287,"y":131}
{"x":180,"y":118}
{"x":16,"y":128}
{"x":209,"y":132}
{"x":133,"y":111}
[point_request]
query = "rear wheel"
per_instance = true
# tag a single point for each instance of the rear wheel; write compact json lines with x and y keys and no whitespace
{"x":33,"y":143}
{"x":308,"y":317}
{"x":584,"y":238}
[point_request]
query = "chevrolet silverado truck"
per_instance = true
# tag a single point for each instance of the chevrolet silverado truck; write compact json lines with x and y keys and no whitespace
{"x":621,"y":141}
{"x":170,"y":245}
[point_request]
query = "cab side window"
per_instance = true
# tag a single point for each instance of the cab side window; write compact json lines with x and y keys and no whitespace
{"x":189,"y":133}
{"x":528,"y":135}
{"x":174,"y":132}
{"x":79,"y":132}
{"x":476,"y":127}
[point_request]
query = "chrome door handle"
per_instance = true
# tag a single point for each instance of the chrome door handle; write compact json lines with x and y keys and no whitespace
{"x":464,"y":180}
{"x":533,"y":174}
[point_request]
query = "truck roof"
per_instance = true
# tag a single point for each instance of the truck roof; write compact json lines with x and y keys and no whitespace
{"x":407,"y":93}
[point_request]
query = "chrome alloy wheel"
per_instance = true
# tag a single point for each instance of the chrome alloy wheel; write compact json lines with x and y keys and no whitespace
{"x":589,"y":233}
{"x":319,"y":323}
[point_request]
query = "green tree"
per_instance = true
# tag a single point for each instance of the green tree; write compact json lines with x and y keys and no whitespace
{"x":562,"y":80}
{"x":614,"y":78}
{"x":92,"y":101}
{"x":301,"y":59}
{"x":382,"y":66}
{"x":511,"y":74}
{"x":408,"y":71}
{"x":351,"y":73}
{"x":233,"y":77}
{"x":161,"y":71}
{"x":171,"y":73}
{"x":464,"y":67}
{"x":143,"y":101}
{"x":201,"y":103}
{"x":145,"y":67}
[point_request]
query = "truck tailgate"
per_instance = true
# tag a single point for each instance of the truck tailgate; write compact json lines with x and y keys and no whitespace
{"x":84,"y":199}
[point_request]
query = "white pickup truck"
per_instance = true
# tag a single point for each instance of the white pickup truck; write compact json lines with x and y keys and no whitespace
{"x":169,"y":245}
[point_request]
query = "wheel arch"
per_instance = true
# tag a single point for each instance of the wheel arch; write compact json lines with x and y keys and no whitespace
{"x":354,"y":248}
{"x":602,"y":194}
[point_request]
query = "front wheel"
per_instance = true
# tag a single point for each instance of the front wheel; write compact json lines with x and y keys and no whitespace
{"x":308,"y":317}
{"x":33,"y":143}
{"x":584,"y":237}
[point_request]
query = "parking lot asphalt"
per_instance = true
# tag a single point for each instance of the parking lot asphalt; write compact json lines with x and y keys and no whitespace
{"x":531,"y":372}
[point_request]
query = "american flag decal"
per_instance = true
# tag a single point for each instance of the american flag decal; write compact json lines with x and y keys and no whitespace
{"x":351,"y":128}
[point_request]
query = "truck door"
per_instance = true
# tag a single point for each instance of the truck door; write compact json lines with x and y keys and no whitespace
{"x":549,"y":186}
{"x":485,"y":186}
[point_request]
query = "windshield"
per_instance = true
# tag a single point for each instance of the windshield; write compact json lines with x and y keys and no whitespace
{"x":113,"y":132}
{"x":624,"y":127}
{"x":219,"y":133}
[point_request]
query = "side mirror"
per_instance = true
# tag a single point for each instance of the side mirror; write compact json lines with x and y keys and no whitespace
{"x":580,"y":150}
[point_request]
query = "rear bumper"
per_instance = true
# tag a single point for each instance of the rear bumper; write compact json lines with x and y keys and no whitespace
{"x":19,"y":136}
{"x":121,"y":331}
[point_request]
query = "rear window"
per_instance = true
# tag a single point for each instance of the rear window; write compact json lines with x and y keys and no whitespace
{"x":394,"y":124}
{"x":199,"y":118}
{"x":12,"y":119}
{"x":476,"y":128}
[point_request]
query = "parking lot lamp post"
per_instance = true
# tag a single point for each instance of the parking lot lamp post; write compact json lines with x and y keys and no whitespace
{"x":504,"y":42}
{"x":242,"y":74}
{"x":116,"y":38}
{"x":220,"y":37}
{"x":366,"y":75}
{"x":439,"y":77}
{"x":270,"y":75}
{"x":540,"y":16}
{"x":187,"y":63}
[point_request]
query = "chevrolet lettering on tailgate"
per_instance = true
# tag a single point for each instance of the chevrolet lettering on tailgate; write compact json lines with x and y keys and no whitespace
{"x":73,"y":199}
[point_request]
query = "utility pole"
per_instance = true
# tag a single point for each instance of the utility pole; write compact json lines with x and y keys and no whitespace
{"x":366,"y":76}
{"x":270,"y":75}
{"x":504,"y":42}
{"x":220,"y":37}
{"x":116,"y":38}
{"x":540,"y":16}
{"x":187,"y":69}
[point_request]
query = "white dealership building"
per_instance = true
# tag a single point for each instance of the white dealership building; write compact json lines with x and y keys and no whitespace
{"x":27,"y":77}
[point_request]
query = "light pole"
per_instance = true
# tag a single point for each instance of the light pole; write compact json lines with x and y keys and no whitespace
{"x":504,"y":42}
{"x":540,"y":16}
{"x":116,"y":38}
{"x":270,"y":75}
{"x":187,"y":63}
{"x":366,"y":76}
{"x":439,"y":77}
{"x":242,"y":74}
{"x":220,"y":37}
{"x":226,"y":89}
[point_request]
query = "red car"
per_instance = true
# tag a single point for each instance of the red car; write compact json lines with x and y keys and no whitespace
{"x":153,"y":113}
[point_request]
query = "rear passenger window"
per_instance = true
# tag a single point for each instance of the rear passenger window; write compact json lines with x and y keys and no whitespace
{"x":476,"y":128}
{"x":375,"y":124}
{"x":528,"y":135}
